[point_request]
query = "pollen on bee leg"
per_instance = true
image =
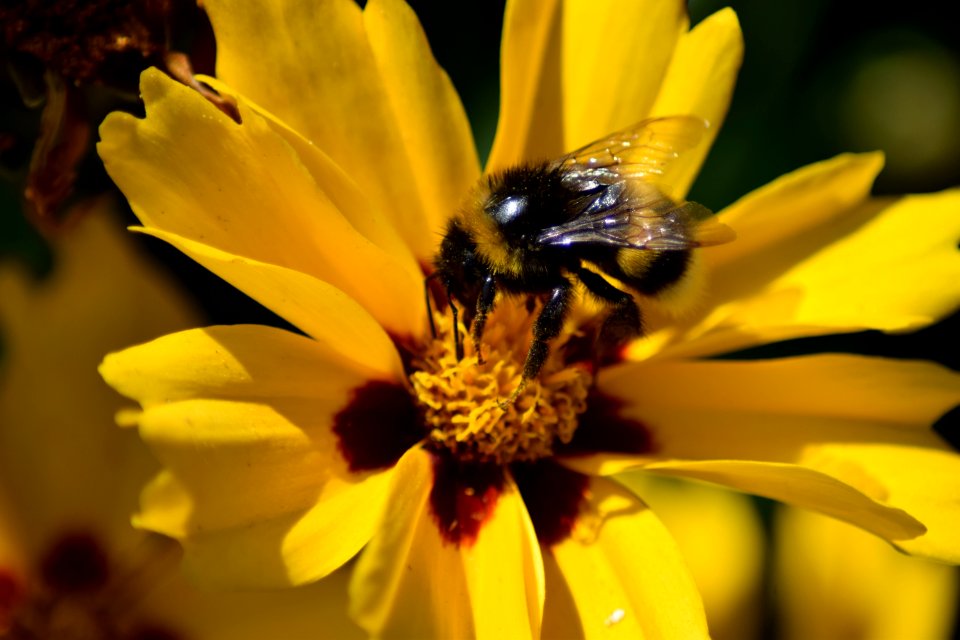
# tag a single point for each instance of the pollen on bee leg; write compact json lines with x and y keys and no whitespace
{"x":463,"y":400}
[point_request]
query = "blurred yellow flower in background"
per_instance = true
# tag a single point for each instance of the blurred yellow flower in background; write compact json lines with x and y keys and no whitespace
{"x":287,"y":454}
{"x":71,"y":566}
{"x":815,"y":577}
{"x":834,"y":581}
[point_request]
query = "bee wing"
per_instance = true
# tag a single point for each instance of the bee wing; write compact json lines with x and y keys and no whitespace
{"x":644,"y":219}
{"x":647,"y":150}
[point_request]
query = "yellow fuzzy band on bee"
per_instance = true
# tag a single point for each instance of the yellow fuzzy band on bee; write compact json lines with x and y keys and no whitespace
{"x":678,"y":299}
{"x":491,"y":245}
{"x":635,"y":263}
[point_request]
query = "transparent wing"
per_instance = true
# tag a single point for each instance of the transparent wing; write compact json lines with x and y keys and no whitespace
{"x":645,"y":151}
{"x":638,"y":216}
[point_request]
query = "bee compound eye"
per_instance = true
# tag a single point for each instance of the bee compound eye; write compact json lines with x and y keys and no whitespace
{"x":508,"y":209}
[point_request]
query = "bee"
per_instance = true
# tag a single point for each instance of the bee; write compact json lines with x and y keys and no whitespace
{"x":600,"y":215}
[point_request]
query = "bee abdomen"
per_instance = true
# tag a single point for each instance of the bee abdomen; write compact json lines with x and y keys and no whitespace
{"x":650,"y":273}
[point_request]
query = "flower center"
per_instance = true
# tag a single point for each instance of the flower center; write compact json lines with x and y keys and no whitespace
{"x":466,"y":403}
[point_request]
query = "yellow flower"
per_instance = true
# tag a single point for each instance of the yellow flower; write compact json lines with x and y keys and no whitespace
{"x":71,"y":566}
{"x":287,"y":454}
{"x":834,"y":581}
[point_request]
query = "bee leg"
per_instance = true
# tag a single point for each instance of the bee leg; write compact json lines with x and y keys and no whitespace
{"x":484,"y":306}
{"x":547,"y":327}
{"x":426,"y":295}
{"x":457,"y":340}
{"x":622,"y":323}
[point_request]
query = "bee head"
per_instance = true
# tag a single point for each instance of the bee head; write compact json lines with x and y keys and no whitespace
{"x":460,"y":269}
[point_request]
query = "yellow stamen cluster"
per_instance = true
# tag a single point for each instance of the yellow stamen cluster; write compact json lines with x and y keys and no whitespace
{"x":469,"y":407}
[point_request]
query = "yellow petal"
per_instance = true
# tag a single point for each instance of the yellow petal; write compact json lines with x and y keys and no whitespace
{"x":831,"y":578}
{"x":257,"y":485}
{"x":812,"y":257}
{"x":240,"y":361}
{"x":229,"y":543}
{"x":819,"y":398}
{"x":412,"y":582}
{"x":700,"y":81}
{"x":346,"y":195}
{"x":899,"y":270}
{"x":801,"y":487}
{"x":165,"y":506}
{"x":271,"y":501}
{"x":777,"y":226}
{"x":615,"y":57}
{"x":772,"y":217}
{"x":432,"y":122}
{"x":344,"y":329}
{"x":243,"y":362}
{"x":530,"y":124}
{"x":294,"y":548}
{"x":818,"y":431}
{"x":61,"y":456}
{"x":189,"y":170}
{"x":573,"y":71}
{"x":317,"y":68}
{"x":721,"y":538}
{"x":255,"y":501}
{"x":621,"y":572}
{"x":244,"y":461}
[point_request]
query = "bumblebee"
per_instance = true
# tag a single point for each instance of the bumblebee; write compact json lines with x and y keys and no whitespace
{"x":599,"y":215}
